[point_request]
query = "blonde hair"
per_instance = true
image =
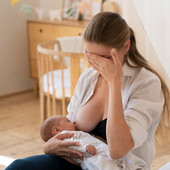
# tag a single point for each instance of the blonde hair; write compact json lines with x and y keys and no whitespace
{"x":111,"y":29}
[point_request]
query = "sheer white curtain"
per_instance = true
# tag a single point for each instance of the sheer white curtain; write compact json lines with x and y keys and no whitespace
{"x":149,"y":20}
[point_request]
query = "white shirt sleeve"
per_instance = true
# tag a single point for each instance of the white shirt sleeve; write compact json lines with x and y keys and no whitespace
{"x":144,"y":108}
{"x":72,"y":105}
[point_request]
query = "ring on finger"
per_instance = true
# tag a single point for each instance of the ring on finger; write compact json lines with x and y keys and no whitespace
{"x":68,"y":155}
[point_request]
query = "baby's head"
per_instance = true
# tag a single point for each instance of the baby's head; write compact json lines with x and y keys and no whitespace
{"x":54,"y":125}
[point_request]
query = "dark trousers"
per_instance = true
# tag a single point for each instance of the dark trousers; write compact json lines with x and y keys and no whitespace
{"x":42,"y":162}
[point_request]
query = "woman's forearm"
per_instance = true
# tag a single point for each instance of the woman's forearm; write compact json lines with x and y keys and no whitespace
{"x":118,"y":134}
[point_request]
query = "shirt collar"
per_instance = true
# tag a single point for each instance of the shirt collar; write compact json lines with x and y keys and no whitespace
{"x":127,"y":70}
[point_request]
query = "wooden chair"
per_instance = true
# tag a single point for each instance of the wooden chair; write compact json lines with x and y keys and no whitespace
{"x":57,"y":78}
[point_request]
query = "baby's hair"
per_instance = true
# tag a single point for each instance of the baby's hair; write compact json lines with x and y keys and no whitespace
{"x":47,"y":125}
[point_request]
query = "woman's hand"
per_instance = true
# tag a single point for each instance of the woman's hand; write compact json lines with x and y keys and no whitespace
{"x":57,"y":147}
{"x":110,"y":69}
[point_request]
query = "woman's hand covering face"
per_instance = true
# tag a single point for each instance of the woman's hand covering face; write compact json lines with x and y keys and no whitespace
{"x":109,"y":67}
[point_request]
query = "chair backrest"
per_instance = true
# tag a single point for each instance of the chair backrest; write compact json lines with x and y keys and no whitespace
{"x":59,"y":70}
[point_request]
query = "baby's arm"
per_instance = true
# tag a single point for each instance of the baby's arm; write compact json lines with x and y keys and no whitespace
{"x":91,"y":149}
{"x":85,"y":146}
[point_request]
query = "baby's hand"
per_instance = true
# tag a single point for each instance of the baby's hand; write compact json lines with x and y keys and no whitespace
{"x":91,"y":149}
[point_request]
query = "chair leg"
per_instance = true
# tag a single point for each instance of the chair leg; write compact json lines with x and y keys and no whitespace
{"x":58,"y":107}
{"x":43,"y":109}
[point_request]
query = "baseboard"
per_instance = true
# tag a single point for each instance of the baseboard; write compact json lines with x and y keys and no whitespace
{"x":16,"y":93}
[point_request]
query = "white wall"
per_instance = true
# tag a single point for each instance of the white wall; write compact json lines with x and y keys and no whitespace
{"x":51,"y":4}
{"x":14,"y":60}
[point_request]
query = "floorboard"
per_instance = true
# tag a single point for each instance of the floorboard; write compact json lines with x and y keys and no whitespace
{"x":19,"y":130}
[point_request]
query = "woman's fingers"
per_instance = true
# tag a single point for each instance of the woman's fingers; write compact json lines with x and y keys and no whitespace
{"x":114,"y":55}
{"x":66,"y":143}
{"x":64,"y":135}
{"x":95,"y":61}
{"x":72,"y":152}
{"x":70,"y":143}
{"x":94,"y":58}
{"x":94,"y":65}
{"x":56,"y":146}
{"x":109,"y":67}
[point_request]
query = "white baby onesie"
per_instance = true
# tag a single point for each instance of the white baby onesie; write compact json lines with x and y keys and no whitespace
{"x":102,"y":159}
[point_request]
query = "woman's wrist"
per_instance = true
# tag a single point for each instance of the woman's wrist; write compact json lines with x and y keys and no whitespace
{"x":115,"y":84}
{"x":44,"y":148}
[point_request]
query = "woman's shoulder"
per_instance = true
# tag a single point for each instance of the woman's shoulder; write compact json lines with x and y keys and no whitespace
{"x":148,"y":76}
{"x":88,"y":74}
{"x":139,"y":73}
{"x":140,"y":76}
{"x":146,"y":82}
{"x":88,"y":71}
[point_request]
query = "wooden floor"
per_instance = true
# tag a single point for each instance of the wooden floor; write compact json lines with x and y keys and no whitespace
{"x":19,"y":130}
{"x":19,"y":126}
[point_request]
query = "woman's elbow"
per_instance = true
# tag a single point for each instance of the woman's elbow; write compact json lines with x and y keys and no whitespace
{"x":116,"y":154}
{"x":119,"y":152}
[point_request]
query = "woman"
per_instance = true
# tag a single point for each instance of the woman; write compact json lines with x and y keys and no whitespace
{"x":119,"y":99}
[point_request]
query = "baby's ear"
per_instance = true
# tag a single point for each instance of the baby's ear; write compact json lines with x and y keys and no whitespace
{"x":55,"y":130}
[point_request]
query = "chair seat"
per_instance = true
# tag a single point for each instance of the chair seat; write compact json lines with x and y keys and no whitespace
{"x":58,"y":83}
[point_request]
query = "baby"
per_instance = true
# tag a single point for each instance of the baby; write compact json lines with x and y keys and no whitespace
{"x":57,"y":124}
{"x":95,"y":152}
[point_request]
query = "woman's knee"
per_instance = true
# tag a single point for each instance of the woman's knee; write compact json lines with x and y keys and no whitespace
{"x":30,"y":163}
{"x":41,"y":162}
{"x":18,"y":164}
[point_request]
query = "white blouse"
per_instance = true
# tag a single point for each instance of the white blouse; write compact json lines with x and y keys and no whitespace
{"x":143,"y":102}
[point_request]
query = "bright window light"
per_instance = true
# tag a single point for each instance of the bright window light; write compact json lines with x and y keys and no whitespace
{"x":5,"y":160}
